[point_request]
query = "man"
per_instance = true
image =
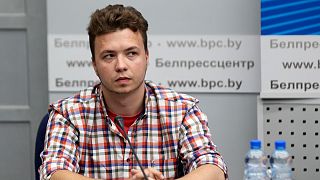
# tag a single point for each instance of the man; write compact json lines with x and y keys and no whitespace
{"x":167,"y":130}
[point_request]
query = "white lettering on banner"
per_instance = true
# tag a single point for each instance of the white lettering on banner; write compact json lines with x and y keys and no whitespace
{"x":305,"y":86}
{"x":62,"y":83}
{"x":305,"y":45}
{"x":189,"y":64}
{"x":65,"y":43}
{"x":207,"y":84}
{"x":290,"y":66}
{"x":195,"y":63}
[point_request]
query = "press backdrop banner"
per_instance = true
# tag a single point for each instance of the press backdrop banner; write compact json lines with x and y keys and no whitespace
{"x":187,"y":59}
{"x":290,"y":49}
{"x":187,"y":63}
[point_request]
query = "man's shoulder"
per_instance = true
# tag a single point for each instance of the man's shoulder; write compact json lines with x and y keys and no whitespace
{"x":84,"y":96}
{"x":168,"y":94}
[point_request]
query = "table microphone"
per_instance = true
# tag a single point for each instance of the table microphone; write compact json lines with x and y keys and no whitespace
{"x":119,"y":121}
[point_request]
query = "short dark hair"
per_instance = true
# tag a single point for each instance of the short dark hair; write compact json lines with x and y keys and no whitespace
{"x":113,"y":18}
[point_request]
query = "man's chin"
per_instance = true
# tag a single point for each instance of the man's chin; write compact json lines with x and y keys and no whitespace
{"x":122,"y":90}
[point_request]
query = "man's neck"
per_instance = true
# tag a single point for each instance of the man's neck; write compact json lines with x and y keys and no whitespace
{"x":125,"y":104}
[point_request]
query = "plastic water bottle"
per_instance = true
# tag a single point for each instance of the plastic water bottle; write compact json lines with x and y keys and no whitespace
{"x":255,"y":163}
{"x":280,"y":162}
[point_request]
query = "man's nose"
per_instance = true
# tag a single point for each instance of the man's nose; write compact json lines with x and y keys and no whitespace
{"x":121,"y":64}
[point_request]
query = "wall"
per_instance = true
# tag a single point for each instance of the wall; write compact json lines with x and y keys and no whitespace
{"x":23,"y":84}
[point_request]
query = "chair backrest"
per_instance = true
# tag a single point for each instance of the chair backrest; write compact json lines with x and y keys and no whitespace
{"x":40,"y":144}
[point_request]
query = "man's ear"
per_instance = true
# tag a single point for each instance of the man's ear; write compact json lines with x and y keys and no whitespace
{"x":147,"y":57}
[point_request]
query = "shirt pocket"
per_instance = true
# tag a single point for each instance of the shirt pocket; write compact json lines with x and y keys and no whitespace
{"x":168,"y":167}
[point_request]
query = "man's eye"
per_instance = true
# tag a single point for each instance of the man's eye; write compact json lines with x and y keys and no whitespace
{"x":131,"y":54}
{"x":108,"y":56}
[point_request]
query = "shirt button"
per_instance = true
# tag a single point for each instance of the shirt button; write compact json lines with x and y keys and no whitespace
{"x":128,"y":160}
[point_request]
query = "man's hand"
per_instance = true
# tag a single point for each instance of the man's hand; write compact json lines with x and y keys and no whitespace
{"x":151,"y":173}
{"x":205,"y":172}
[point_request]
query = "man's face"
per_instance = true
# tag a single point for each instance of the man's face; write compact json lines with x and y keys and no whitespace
{"x":120,"y":61}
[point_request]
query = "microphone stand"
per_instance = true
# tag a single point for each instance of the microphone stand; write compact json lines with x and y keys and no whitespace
{"x":119,"y":121}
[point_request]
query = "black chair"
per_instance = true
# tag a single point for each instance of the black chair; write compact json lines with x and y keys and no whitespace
{"x":40,"y":144}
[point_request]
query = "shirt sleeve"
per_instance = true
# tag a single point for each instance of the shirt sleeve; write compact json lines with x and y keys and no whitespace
{"x":197,"y":148}
{"x":60,"y":146}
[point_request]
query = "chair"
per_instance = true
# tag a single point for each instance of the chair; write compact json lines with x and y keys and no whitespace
{"x":40,"y":144}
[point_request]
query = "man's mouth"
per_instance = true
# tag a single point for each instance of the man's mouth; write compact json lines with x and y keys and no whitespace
{"x":123,"y":79}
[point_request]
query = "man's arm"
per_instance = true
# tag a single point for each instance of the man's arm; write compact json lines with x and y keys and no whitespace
{"x":205,"y":172}
{"x":61,"y":150}
{"x":67,"y":175}
{"x":203,"y":161}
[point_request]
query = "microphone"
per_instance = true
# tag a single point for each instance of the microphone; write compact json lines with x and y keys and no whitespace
{"x":119,"y":121}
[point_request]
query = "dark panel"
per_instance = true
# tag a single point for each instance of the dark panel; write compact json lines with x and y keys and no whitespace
{"x":13,"y":68}
{"x":15,"y":150}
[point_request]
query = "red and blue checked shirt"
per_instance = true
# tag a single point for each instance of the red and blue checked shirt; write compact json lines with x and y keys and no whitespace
{"x":172,"y":136}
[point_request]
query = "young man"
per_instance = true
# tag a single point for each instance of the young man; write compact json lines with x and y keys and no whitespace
{"x":167,"y":130}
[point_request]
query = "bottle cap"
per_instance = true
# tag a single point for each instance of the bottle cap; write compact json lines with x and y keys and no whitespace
{"x":280,"y":145}
{"x":255,"y":144}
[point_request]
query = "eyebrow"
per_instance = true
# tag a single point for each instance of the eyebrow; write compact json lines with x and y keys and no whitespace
{"x":112,"y":51}
{"x":132,"y":48}
{"x":106,"y":51}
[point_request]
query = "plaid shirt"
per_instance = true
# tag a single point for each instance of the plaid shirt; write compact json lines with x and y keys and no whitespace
{"x":171,"y":136}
